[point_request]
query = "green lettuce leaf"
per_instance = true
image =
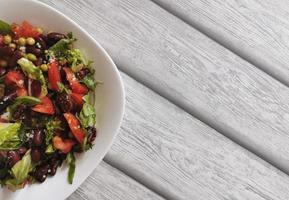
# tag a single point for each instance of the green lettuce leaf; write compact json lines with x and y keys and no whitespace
{"x":33,"y":72}
{"x":9,"y":138}
{"x":5,"y":28}
{"x":88,"y":80}
{"x":20,"y":172}
{"x":61,"y":48}
{"x":76,"y":59}
{"x":87,"y":116}
{"x":21,"y":169}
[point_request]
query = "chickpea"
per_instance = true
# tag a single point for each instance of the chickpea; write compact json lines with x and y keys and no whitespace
{"x":22,"y":41}
{"x":44,"y":67}
{"x":12,"y":45}
{"x":30,"y":41}
{"x":7,"y":39}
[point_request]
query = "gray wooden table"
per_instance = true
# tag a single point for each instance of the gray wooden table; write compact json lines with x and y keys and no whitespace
{"x":207,"y":105}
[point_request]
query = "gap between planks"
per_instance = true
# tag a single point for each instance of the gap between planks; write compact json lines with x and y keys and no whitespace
{"x":199,"y":115}
{"x":252,"y":60}
{"x":107,"y":182}
{"x":146,"y":84}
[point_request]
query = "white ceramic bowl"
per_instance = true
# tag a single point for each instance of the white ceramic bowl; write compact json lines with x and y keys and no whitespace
{"x":109,"y":98}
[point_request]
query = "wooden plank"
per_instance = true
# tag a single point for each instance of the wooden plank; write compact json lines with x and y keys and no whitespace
{"x":178,"y":156}
{"x":256,"y":30}
{"x":196,"y":73}
{"x":109,"y":183}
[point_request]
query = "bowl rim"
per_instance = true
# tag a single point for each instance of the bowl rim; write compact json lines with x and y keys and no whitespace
{"x":121,"y":99}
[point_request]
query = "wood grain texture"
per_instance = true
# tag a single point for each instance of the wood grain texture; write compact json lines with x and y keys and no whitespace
{"x":191,"y":70}
{"x":257,"y":29}
{"x":107,"y":183}
{"x":181,"y":158}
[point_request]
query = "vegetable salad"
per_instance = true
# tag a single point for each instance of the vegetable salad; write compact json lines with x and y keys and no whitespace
{"x":46,"y":115}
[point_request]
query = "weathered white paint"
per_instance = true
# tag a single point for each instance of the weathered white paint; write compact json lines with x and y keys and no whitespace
{"x":108,"y":183}
{"x":191,"y":70}
{"x":161,"y":145}
{"x":258,"y":30}
{"x":181,"y":158}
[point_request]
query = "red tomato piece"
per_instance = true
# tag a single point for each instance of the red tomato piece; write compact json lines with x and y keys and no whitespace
{"x":63,"y":145}
{"x":46,"y":106}
{"x":21,"y":92}
{"x":25,"y":30}
{"x":14,"y":78}
{"x":76,"y":87}
{"x":77,"y":99}
{"x":74,"y":126}
{"x":54,"y":76}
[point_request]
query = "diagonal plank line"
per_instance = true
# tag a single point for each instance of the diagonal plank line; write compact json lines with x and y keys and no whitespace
{"x":245,"y":56}
{"x":195,"y":113}
{"x":104,"y":181}
{"x":164,"y":194}
{"x":224,"y":130}
{"x":200,"y":116}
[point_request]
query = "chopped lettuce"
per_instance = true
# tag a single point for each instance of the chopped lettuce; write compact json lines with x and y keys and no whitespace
{"x":87,"y":114}
{"x":33,"y":72}
{"x":5,"y":28}
{"x":20,"y":172}
{"x":61,"y":48}
{"x":76,"y":59}
{"x":88,"y":80}
{"x":70,"y":160}
{"x":9,"y":138}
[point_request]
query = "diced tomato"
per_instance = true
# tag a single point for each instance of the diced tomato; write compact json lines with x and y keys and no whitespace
{"x":77,"y":99}
{"x":46,"y":106}
{"x":14,"y":78}
{"x":74,"y":126}
{"x":76,"y":87}
{"x":54,"y":75}
{"x":63,"y":145}
{"x":25,"y":30}
{"x":21,"y":92}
